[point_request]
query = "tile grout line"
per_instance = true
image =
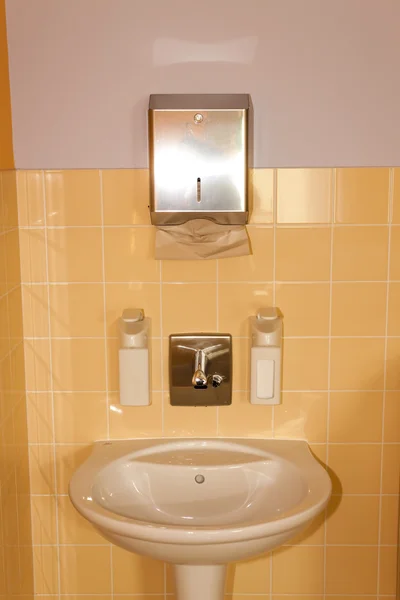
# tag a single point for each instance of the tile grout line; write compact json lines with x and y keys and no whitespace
{"x":233,"y":594}
{"x":217,"y":323}
{"x":104,"y":304}
{"x":163,"y":394}
{"x":155,"y":595}
{"x":239,"y":594}
{"x":2,"y":533}
{"x":333,"y":211}
{"x":34,"y":578}
{"x":103,"y":267}
{"x":25,"y":394}
{"x":282,"y":546}
{"x":314,"y":444}
{"x":237,"y":391}
{"x":237,"y":337}
{"x":274,"y":220}
{"x":16,"y":510}
{"x":293,"y":225}
{"x":2,"y":231}
{"x":11,"y":290}
{"x":51,"y":388}
{"x":162,"y":358}
{"x":390,"y":218}
{"x":9,"y":353}
{"x":119,"y":439}
{"x":227,"y":282}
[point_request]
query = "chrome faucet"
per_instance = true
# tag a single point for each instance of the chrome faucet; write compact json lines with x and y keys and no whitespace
{"x":199,"y":379}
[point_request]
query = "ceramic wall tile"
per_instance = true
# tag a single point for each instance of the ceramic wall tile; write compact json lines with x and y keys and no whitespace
{"x":304,"y":195}
{"x":321,"y":258}
{"x":362,"y":195}
{"x":72,"y":197}
{"x":19,"y":257}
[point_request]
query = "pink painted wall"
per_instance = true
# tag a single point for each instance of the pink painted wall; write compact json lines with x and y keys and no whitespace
{"x":324,"y":76}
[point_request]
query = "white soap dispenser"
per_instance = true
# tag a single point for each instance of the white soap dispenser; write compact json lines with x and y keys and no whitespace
{"x":266,"y":356}
{"x":134,"y":360}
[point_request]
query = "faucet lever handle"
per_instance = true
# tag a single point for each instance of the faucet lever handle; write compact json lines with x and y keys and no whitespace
{"x":217,"y":380}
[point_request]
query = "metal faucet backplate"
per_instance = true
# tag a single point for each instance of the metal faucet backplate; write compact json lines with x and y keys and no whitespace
{"x":200,"y":367}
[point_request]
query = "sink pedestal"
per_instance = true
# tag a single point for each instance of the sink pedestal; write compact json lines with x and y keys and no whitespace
{"x":197,"y":582}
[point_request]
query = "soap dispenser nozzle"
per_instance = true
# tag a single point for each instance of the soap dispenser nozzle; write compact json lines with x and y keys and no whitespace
{"x":133,"y":328}
{"x":267,"y":327}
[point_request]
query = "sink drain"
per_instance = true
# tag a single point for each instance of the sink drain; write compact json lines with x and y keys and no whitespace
{"x":199,"y":479}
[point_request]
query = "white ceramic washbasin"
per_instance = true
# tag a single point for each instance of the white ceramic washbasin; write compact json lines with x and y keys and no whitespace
{"x":200,"y":501}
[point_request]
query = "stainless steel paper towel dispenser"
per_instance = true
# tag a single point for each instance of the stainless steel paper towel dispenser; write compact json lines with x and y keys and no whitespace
{"x":198,"y":147}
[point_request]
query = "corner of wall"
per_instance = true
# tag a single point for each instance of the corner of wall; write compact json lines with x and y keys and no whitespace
{"x":16,"y":563}
{"x":6,"y":142}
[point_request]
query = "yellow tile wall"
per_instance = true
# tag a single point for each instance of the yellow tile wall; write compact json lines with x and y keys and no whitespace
{"x":16,"y":572}
{"x":326,"y":250}
{"x":16,"y":568}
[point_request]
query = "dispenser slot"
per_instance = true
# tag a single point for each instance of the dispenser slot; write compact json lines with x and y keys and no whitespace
{"x":199,"y":189}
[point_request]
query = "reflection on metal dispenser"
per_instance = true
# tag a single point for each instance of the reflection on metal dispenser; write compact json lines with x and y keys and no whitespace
{"x":198,"y":147}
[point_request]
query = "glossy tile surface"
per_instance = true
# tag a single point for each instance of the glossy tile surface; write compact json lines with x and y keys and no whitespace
{"x":303,"y":254}
{"x":396,"y":196}
{"x":360,"y":253}
{"x":305,"y":308}
{"x":351,"y":569}
{"x":359,"y":309}
{"x":362,"y":196}
{"x":72,"y":198}
{"x":304,"y":195}
{"x":19,"y":528}
{"x":319,"y":256}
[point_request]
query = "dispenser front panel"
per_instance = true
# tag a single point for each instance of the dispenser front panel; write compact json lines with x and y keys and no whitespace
{"x":198,"y":163}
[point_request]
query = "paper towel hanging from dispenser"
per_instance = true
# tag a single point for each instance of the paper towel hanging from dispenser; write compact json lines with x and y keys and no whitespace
{"x":199,"y":152}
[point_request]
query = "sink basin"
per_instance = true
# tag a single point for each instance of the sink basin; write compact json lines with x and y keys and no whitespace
{"x":200,"y":502}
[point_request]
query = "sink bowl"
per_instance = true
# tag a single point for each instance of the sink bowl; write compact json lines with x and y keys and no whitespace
{"x":200,"y":502}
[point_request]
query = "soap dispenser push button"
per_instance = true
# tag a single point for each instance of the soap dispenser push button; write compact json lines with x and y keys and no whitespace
{"x":265,"y":378}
